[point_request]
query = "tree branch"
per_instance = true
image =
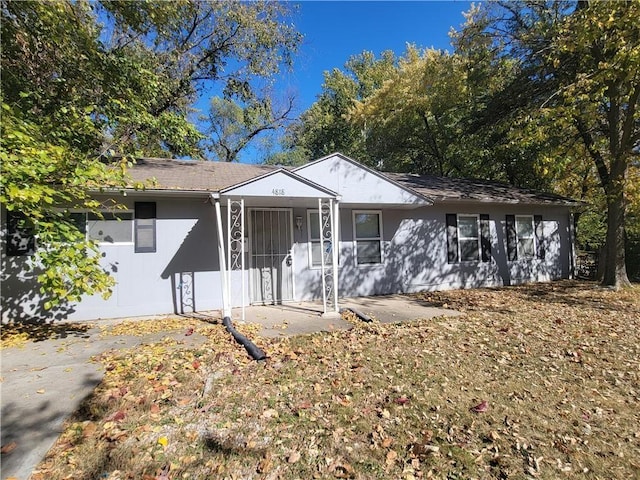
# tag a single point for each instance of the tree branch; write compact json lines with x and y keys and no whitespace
{"x":595,"y":154}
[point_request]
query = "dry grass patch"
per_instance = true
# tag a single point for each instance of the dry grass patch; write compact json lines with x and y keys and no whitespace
{"x":537,"y":381}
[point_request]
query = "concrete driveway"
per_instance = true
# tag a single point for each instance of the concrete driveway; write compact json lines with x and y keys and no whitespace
{"x":44,"y":382}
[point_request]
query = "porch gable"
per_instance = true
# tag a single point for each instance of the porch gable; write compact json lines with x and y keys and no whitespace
{"x":279,"y":184}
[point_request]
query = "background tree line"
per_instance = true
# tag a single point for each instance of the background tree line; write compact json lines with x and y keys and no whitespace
{"x":540,"y":94}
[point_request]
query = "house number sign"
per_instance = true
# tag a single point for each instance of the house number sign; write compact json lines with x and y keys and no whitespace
{"x":278,"y":191}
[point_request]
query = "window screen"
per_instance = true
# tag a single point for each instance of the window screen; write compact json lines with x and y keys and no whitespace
{"x":145,"y":227}
{"x":368,"y":237}
{"x":113,"y":227}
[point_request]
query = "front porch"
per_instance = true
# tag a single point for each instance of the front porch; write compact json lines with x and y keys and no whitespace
{"x":300,"y":318}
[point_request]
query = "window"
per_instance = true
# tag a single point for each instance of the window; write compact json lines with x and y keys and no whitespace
{"x":111,"y":227}
{"x":524,"y":237}
{"x":313,"y":230}
{"x":367,"y":226}
{"x":20,"y":238}
{"x":468,"y":238}
{"x":145,"y":227}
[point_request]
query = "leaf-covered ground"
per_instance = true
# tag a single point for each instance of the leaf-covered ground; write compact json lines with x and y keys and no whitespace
{"x":537,"y":381}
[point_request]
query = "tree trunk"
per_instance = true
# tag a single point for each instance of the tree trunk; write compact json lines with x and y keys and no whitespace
{"x":615,"y":270}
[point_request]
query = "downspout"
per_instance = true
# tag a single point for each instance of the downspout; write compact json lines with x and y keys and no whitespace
{"x":255,"y":352}
{"x":226,"y":305}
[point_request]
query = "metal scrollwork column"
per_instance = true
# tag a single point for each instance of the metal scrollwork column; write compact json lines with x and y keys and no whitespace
{"x":187,"y":300}
{"x":327,"y":242}
{"x":235,"y":246}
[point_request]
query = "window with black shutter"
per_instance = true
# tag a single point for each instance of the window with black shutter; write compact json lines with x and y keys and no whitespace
{"x":468,"y":238}
{"x":20,"y":239}
{"x":525,"y":237}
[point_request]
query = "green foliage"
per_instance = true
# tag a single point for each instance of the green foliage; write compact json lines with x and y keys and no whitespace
{"x":233,"y":125}
{"x":36,"y":183}
{"x":324,"y":128}
{"x":87,"y":81}
{"x":576,"y":90}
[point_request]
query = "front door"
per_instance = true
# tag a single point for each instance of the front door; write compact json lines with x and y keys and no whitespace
{"x":271,"y":263}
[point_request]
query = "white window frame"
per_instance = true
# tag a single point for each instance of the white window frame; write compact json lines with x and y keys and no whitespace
{"x":354,"y":213}
{"x":477,"y":238}
{"x":116,"y":212}
{"x":311,"y":241}
{"x":522,"y":255}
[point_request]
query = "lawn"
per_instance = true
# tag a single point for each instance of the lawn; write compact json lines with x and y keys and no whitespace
{"x":537,"y":381}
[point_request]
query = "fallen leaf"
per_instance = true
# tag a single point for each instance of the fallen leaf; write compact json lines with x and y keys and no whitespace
{"x":265,"y":464}
{"x":189,"y":332}
{"x":270,"y":413}
{"x":116,"y":416}
{"x":402,"y":400}
{"x":164,"y":473}
{"x":164,"y":441}
{"x":89,"y":429}
{"x":8,"y":447}
{"x":482,"y":407}
{"x":391,"y":457}
{"x":294,"y":457}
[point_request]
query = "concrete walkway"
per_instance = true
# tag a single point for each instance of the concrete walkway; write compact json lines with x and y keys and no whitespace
{"x":44,"y":382}
{"x":298,"y":318}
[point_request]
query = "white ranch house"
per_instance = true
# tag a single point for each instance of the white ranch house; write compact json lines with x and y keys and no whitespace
{"x":212,"y":235}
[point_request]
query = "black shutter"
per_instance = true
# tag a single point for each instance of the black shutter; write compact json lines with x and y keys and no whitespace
{"x":512,"y":245}
{"x":20,"y":239}
{"x":539,"y":232}
{"x":452,"y":238}
{"x":145,"y":227}
{"x":485,"y":237}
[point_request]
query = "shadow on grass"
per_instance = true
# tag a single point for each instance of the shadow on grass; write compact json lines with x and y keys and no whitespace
{"x":574,"y":293}
{"x":41,"y":331}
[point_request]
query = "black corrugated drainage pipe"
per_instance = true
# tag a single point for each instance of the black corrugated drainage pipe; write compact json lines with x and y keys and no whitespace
{"x":357,"y":313}
{"x":252,"y":349}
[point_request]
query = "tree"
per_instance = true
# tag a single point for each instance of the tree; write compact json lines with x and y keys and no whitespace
{"x":324,"y":127}
{"x":233,"y":126}
{"x":84,"y":82}
{"x":410,"y":121}
{"x":579,"y":78}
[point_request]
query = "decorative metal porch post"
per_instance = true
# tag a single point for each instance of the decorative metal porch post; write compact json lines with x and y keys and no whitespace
{"x":328,"y":254}
{"x":236,"y":246}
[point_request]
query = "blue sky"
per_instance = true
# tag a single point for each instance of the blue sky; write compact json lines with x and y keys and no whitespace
{"x":336,"y":30}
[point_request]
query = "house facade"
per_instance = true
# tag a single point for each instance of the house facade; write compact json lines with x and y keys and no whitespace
{"x":210,"y":236}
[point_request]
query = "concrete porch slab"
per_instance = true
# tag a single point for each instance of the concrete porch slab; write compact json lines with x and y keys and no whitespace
{"x":299,"y":318}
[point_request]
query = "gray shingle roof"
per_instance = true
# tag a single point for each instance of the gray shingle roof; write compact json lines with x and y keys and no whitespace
{"x":442,"y":189}
{"x":201,"y":176}
{"x":192,"y":175}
